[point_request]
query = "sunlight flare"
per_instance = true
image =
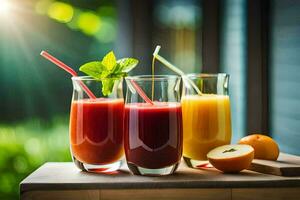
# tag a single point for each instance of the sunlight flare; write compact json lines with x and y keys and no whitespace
{"x":4,"y":7}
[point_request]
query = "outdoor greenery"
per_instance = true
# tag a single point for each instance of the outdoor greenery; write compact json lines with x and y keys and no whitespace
{"x":25,"y":146}
{"x":35,"y":94}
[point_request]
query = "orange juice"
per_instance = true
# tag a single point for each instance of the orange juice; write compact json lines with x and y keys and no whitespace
{"x":206,"y":124}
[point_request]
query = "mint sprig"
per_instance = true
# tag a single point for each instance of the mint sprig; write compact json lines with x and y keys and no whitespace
{"x":108,"y":70}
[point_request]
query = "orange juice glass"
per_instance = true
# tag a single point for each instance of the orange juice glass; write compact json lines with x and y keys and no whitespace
{"x":206,"y":117}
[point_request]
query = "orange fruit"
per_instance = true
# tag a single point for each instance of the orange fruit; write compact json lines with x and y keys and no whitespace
{"x":264,"y":147}
{"x":231,"y":158}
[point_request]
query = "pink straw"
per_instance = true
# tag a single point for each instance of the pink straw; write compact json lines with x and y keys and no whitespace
{"x":84,"y":87}
{"x":141,"y":92}
{"x":69,"y":70}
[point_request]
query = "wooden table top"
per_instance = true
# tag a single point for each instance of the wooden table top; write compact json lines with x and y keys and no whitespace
{"x":65,"y":176}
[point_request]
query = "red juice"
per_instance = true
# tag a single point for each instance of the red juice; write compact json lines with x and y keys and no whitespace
{"x":96,"y":130}
{"x":153,"y":134}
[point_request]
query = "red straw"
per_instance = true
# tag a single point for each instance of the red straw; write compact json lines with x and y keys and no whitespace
{"x":69,"y":70}
{"x":141,"y":92}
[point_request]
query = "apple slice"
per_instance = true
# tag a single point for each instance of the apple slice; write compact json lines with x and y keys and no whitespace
{"x":231,"y":158}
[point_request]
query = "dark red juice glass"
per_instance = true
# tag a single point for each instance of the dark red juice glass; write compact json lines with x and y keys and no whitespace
{"x":96,"y":127}
{"x":153,"y":133}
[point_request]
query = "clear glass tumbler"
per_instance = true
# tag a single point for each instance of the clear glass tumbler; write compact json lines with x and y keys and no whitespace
{"x":153,"y":132}
{"x":96,"y":126}
{"x":206,"y":117}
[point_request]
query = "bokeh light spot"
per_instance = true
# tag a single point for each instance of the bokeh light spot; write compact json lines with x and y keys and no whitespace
{"x":107,"y":33}
{"x":89,"y":23}
{"x":73,"y":24}
{"x":61,"y":12}
{"x":4,"y":6}
{"x":42,"y":6}
{"x":32,"y":146}
{"x":20,"y":164}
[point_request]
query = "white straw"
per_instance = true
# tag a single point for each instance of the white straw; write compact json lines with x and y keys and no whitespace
{"x":188,"y":82}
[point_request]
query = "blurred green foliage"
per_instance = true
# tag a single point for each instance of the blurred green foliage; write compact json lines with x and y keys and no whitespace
{"x":34,"y":91}
{"x":25,"y":146}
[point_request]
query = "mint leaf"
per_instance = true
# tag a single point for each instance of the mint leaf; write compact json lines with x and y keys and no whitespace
{"x":127,"y":64}
{"x":107,"y":86}
{"x":105,"y":74}
{"x":109,"y":70}
{"x":117,"y":69}
{"x":109,"y":61}
{"x":229,"y":150}
{"x":93,"y":69}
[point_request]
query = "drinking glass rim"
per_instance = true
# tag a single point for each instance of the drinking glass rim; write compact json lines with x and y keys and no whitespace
{"x":90,"y":78}
{"x":150,"y":77}
{"x":206,"y":75}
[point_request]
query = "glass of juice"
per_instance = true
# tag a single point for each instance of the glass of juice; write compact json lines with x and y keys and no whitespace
{"x":206,"y":117}
{"x":153,"y":132}
{"x":96,"y":126}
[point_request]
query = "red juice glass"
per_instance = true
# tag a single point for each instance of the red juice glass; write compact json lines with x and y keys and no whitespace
{"x":153,"y":133}
{"x":97,"y":126}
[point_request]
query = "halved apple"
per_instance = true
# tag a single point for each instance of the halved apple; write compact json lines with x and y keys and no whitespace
{"x":231,"y":158}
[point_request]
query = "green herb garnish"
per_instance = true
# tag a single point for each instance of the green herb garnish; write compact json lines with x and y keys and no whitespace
{"x":108,"y":70}
{"x":229,"y":150}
